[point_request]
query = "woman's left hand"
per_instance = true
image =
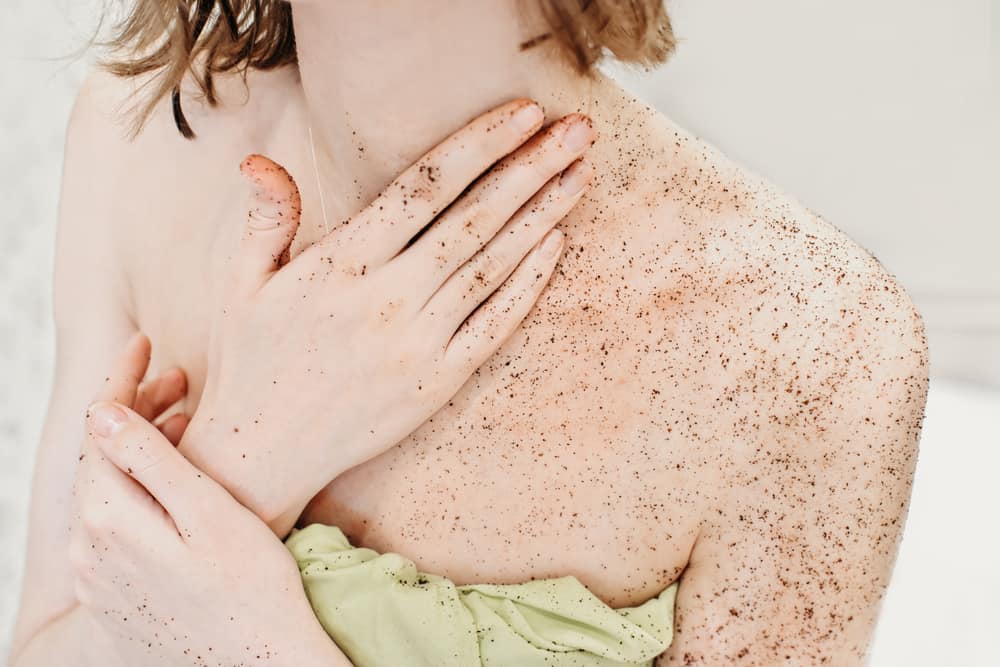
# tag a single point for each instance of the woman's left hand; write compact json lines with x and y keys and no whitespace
{"x":172,"y":566}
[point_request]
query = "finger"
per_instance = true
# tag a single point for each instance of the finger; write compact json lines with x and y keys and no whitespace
{"x":427,"y":187}
{"x":468,"y":287}
{"x":493,"y":323}
{"x":155,"y":396}
{"x":115,"y":506}
{"x":118,"y":521}
{"x":275,"y":208}
{"x":173,"y":428}
{"x":84,"y":476}
{"x":123,"y":382}
{"x":475,"y":218}
{"x":138,"y":449}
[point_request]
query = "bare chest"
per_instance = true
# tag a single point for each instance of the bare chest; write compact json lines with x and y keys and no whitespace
{"x":577,"y":449}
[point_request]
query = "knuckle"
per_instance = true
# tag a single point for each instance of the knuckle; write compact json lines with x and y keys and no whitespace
{"x":491,"y":268}
{"x":405,"y":360}
{"x":536,"y":165}
{"x":390,"y":310}
{"x":139,"y":450}
{"x":425,"y":184}
{"x":350,"y":268}
{"x":550,"y":195}
{"x":409,"y":358}
{"x":476,"y":218}
{"x":480,"y":140}
{"x":487,"y":269}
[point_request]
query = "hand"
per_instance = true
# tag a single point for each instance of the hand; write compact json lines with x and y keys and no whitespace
{"x":324,"y":363}
{"x":168,"y":564}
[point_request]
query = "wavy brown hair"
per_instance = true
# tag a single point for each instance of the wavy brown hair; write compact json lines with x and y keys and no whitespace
{"x":201,"y":38}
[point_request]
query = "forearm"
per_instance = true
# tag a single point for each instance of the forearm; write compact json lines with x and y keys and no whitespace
{"x":264,"y":485}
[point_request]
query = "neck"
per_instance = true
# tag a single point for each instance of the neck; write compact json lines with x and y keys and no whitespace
{"x":386,"y":81}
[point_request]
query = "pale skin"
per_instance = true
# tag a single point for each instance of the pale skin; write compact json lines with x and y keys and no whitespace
{"x":715,"y":385}
{"x":376,"y":341}
{"x":399,"y":346}
{"x":139,"y":507}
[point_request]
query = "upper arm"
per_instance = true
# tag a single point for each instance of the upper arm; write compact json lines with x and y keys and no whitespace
{"x":92,"y":324}
{"x":791,"y":566}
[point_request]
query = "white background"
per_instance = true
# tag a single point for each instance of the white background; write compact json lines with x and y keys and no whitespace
{"x":878,"y":114}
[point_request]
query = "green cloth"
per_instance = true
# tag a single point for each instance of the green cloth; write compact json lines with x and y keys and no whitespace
{"x":381,"y":612}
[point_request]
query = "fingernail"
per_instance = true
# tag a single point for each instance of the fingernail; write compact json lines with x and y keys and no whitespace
{"x":106,"y":419}
{"x":266,"y":211}
{"x":575,"y":177}
{"x":579,"y":134}
{"x":552,"y":243}
{"x":527,"y":117}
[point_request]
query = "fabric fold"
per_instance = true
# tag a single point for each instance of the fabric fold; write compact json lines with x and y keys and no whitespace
{"x":382,"y":612}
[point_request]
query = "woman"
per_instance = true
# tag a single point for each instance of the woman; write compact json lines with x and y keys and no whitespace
{"x":716,"y":386}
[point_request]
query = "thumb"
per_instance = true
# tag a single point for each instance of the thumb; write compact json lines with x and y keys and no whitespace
{"x":140,"y":450}
{"x":274,"y":210}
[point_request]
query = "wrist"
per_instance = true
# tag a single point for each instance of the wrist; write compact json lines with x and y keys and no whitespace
{"x":265,"y":478}
{"x":218,"y":453}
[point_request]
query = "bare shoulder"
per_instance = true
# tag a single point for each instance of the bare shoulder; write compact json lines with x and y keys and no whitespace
{"x":108,"y":167}
{"x":96,"y":136}
{"x":782,"y":309}
{"x":103,"y":139}
{"x":797,"y":304}
{"x":810,"y":361}
{"x":152,"y":186}
{"x":93,"y":175}
{"x":156,"y":156}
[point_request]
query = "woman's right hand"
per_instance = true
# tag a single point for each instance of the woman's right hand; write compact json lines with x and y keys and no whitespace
{"x":321,"y":364}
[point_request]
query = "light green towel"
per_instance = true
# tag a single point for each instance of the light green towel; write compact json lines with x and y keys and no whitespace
{"x":381,"y":612}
